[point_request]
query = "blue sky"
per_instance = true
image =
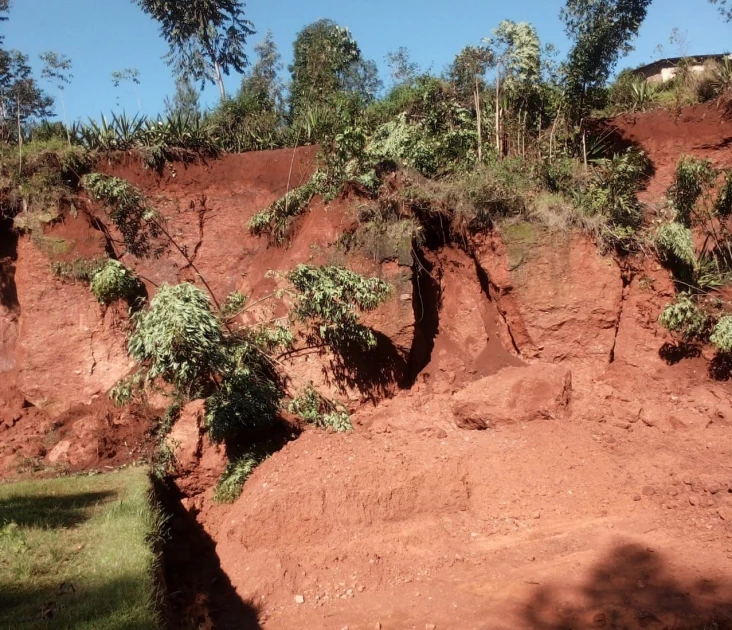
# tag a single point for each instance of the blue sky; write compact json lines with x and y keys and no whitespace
{"x":101,"y":36}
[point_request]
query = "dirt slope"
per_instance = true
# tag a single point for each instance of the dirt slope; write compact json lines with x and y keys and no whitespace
{"x":524,"y":455}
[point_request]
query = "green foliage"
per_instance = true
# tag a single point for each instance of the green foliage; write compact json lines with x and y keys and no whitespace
{"x":235,"y":303}
{"x":722,"y":335}
{"x":186,"y":102}
{"x":320,"y":411}
{"x":693,"y":176}
{"x":611,"y":193}
{"x":601,"y":32}
{"x":631,"y":92}
{"x":178,"y":338}
{"x":128,"y":209}
{"x":113,"y":282}
{"x":328,"y":297}
{"x":78,"y":270}
{"x":206,"y":37}
{"x":675,"y":244}
{"x":723,"y":205}
{"x":276,"y":221}
{"x":231,"y":483}
{"x":248,"y":393}
{"x":685,"y":317}
{"x":327,"y":60}
{"x":23,"y":100}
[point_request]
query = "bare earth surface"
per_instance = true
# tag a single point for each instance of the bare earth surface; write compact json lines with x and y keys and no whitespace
{"x":530,"y":451}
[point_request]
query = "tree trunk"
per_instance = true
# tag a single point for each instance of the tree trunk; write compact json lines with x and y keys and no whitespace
{"x":66,"y":122}
{"x":479,"y":120}
{"x":20,"y":141}
{"x":498,"y":110}
{"x":220,"y":80}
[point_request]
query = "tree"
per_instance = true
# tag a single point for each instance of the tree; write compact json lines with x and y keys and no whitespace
{"x":467,"y":74}
{"x":325,"y":61}
{"x":516,"y":53}
{"x":263,"y":82}
{"x":186,"y":100}
{"x":4,"y":8}
{"x":725,"y":8}
{"x":206,"y":37}
{"x":601,"y":31}
{"x":131,"y":75}
{"x":21,"y":100}
{"x":57,"y":70}
{"x":403,"y":70}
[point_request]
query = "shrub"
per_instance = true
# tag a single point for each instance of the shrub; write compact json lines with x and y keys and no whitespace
{"x":328,"y":297}
{"x":114,"y":282}
{"x":685,"y":317}
{"x":276,"y":221}
{"x":320,"y":411}
{"x":675,"y":244}
{"x":692,"y":177}
{"x":79,"y":269}
{"x":178,"y":338}
{"x":128,"y":209}
{"x":231,"y":483}
{"x":722,"y":335}
{"x":723,"y":205}
{"x":247,"y":396}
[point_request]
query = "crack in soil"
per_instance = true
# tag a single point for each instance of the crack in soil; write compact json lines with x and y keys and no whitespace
{"x":627,"y":280}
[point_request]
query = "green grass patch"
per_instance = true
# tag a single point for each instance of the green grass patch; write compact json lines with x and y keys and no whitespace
{"x":77,"y":553}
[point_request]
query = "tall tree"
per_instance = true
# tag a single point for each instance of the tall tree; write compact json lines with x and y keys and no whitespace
{"x":21,"y":99}
{"x":186,"y":101}
{"x":467,"y":74}
{"x":403,"y":70}
{"x":601,"y":32}
{"x":516,"y":52}
{"x":57,"y":70}
{"x":206,"y":37}
{"x":326,"y":60}
{"x":263,"y":83}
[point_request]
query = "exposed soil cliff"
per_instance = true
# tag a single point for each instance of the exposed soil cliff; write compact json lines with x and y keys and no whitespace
{"x":525,"y":454}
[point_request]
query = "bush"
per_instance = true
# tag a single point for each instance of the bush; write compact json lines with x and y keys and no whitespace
{"x":320,"y":411}
{"x":327,"y":296}
{"x":722,"y":335}
{"x":675,"y":244}
{"x":693,"y":177}
{"x":685,"y":317}
{"x":247,"y":396}
{"x":276,"y":220}
{"x":78,"y":270}
{"x":114,"y":282}
{"x":231,"y":483}
{"x":178,"y":338}
{"x":128,"y":209}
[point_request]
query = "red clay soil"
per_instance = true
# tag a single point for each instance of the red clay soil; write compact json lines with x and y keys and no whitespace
{"x":530,"y":451}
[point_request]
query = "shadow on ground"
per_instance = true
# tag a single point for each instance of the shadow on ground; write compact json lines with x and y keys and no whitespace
{"x":200,"y":594}
{"x":50,"y":511}
{"x":633,"y":587}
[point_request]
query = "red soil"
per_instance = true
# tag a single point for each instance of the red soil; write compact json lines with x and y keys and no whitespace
{"x":528,"y":452}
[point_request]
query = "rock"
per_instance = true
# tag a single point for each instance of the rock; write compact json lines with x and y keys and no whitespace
{"x":299,"y":599}
{"x":693,"y":500}
{"x":430,"y":626}
{"x":725,"y":513}
{"x":649,"y":491}
{"x":515,"y":394}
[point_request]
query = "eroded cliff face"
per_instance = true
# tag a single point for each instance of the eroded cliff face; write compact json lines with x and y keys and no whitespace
{"x":516,"y":427}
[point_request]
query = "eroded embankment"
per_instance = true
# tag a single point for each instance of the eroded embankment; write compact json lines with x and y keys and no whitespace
{"x":523,"y":456}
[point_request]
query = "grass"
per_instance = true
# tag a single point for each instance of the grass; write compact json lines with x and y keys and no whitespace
{"x":77,"y":553}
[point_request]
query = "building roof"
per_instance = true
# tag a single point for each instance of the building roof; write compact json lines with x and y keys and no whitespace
{"x":671,"y":62}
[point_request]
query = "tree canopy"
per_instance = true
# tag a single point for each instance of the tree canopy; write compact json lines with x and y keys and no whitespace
{"x":207,"y":38}
{"x":601,"y":32}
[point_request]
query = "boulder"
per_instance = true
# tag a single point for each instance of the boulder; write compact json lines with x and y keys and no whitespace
{"x":515,"y":394}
